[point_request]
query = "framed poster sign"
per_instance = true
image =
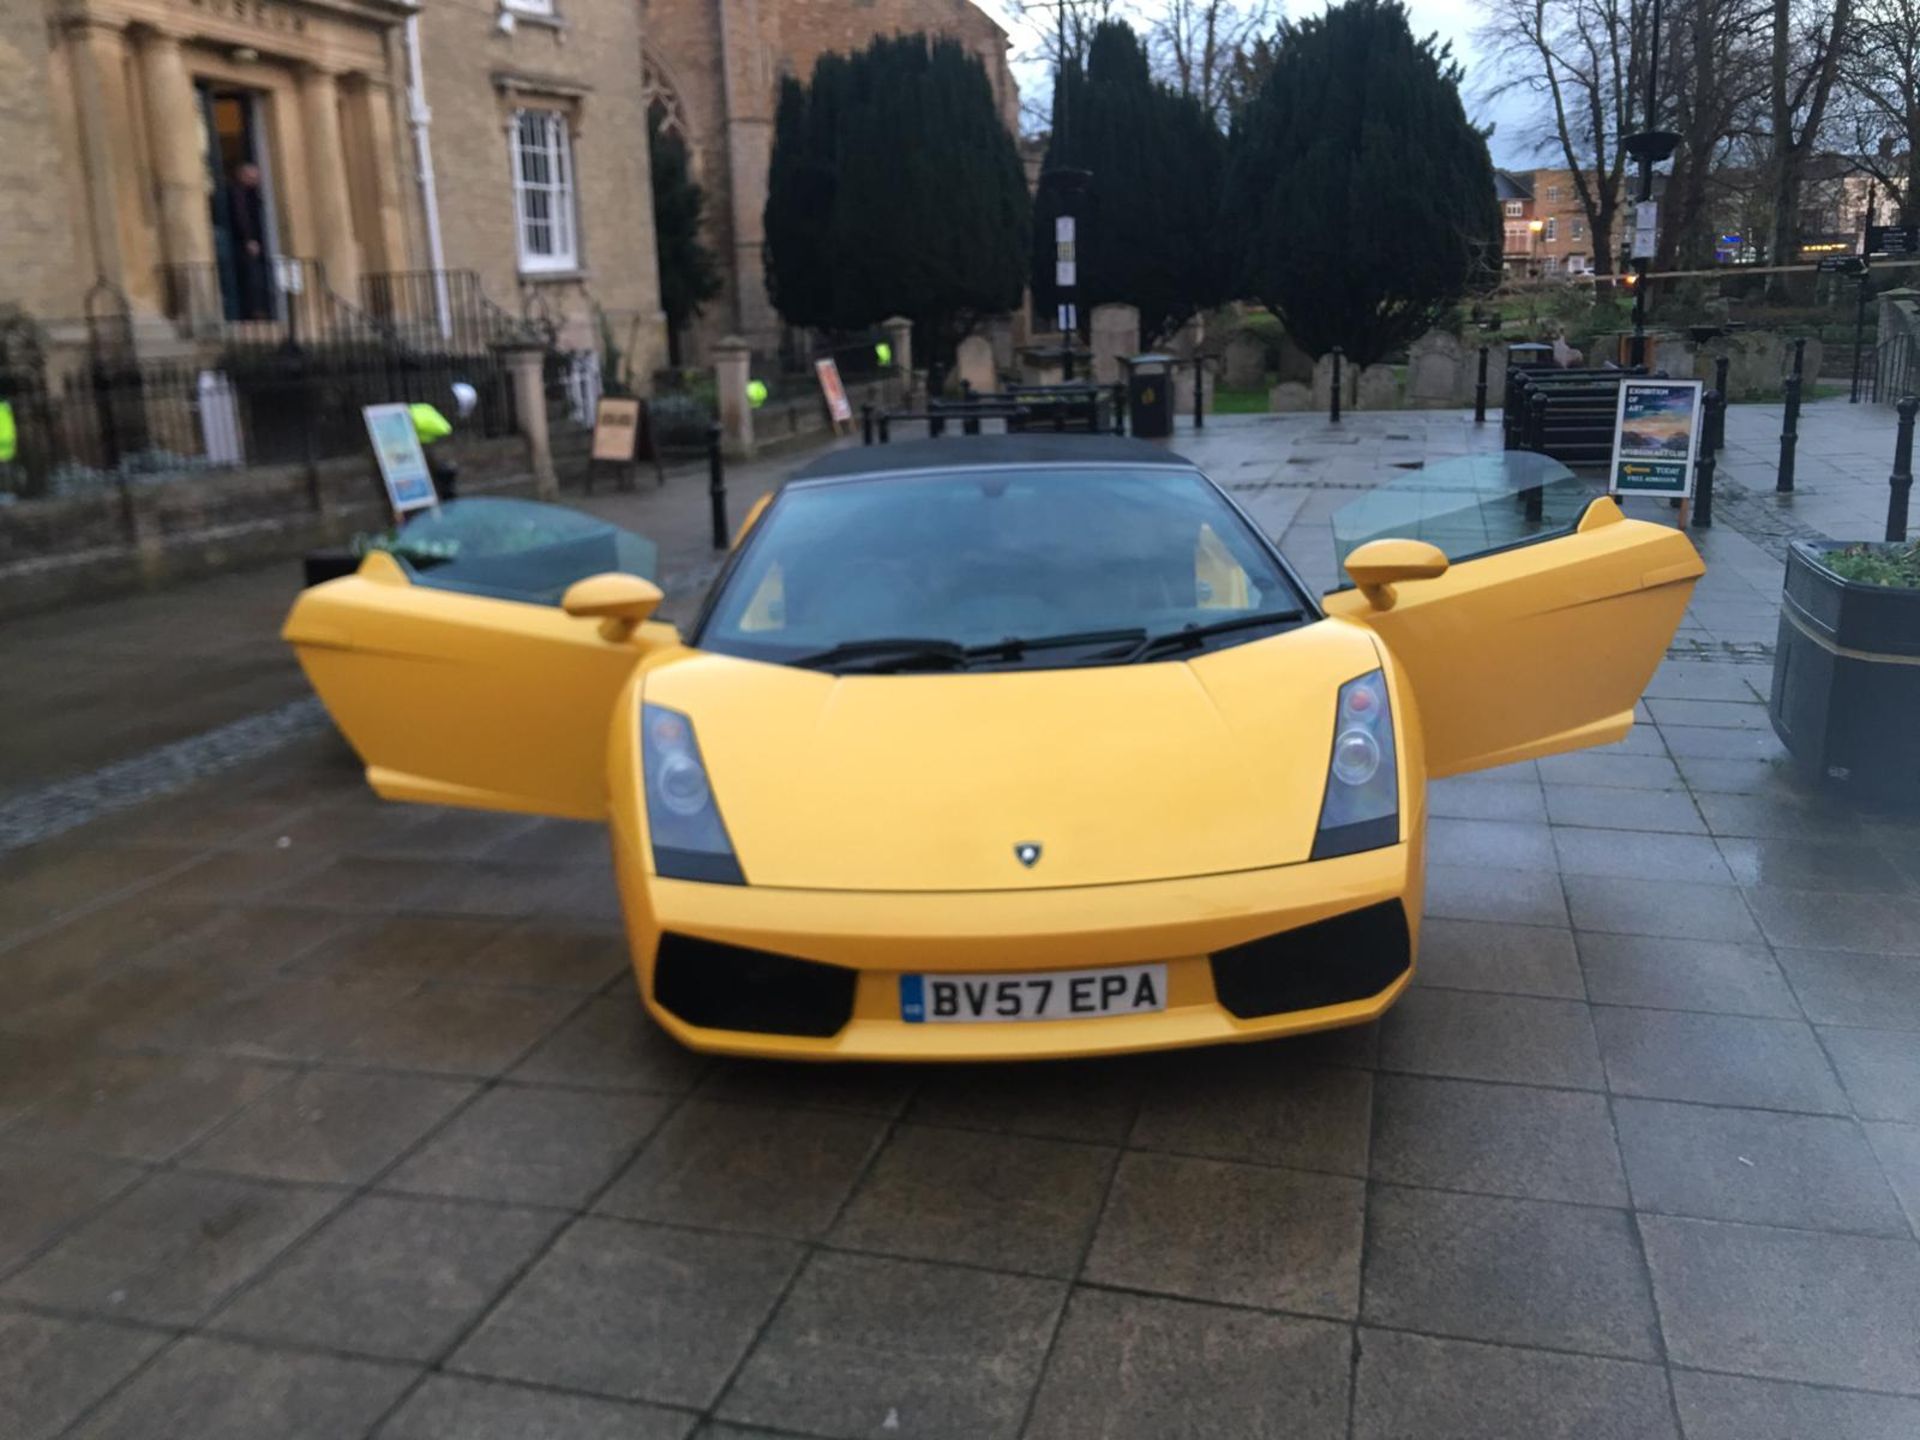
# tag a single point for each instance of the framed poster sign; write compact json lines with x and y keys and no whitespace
{"x":403,"y":464}
{"x":1656,"y":438}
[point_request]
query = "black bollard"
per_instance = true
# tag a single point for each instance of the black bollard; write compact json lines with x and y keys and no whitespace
{"x":716,"y":488}
{"x":1790,"y":424}
{"x":936,"y":421}
{"x":886,"y":428}
{"x":866,"y":423}
{"x":1200,"y":392}
{"x":1536,"y":441}
{"x":1703,"y":473}
{"x":1333,"y":400}
{"x":1120,"y":408}
{"x":1720,"y":384}
{"x":1901,"y":481}
{"x":1480,"y":390}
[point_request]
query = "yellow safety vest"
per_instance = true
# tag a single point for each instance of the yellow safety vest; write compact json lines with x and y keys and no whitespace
{"x":428,"y":423}
{"x":9,"y":434}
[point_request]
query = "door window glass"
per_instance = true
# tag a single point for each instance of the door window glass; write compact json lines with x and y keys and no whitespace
{"x":1467,"y":506}
{"x":516,"y":549}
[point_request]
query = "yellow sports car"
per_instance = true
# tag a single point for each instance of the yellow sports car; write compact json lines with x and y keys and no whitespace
{"x":1004,"y":747}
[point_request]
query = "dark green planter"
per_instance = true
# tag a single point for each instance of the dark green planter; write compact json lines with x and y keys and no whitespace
{"x":1846,"y":678}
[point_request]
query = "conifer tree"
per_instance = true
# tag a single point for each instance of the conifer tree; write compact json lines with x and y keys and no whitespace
{"x":1147,"y":211}
{"x":689,"y":275}
{"x":1360,"y":199}
{"x":895,"y":189}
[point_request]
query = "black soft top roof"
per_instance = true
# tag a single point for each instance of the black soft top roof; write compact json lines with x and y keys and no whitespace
{"x":970,"y":451}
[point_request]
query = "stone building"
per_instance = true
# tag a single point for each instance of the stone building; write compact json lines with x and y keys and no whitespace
{"x":129,"y":128}
{"x":711,"y":69}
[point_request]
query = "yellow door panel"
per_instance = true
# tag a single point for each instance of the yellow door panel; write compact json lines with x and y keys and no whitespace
{"x":1537,"y":649}
{"x":457,"y":699}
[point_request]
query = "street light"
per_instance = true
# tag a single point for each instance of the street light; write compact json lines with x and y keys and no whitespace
{"x":1067,"y":182}
{"x":1649,"y":147}
{"x":1534,"y":227}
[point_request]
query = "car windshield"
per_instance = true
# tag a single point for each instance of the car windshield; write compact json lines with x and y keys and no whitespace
{"x":1467,"y":505}
{"x":1043,"y":566}
{"x":515,"y":549}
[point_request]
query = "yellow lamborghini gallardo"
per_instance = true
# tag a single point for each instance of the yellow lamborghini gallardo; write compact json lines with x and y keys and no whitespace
{"x":1004,"y":747}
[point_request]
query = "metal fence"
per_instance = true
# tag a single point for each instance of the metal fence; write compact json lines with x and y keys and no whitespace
{"x":99,"y":415}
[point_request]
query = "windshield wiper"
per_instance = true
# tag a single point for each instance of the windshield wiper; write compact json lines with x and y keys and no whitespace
{"x":1014,"y":646}
{"x":908,"y":652}
{"x":889,"y":653}
{"x":1191,"y":637}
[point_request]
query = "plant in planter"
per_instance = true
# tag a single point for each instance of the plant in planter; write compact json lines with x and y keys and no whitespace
{"x":1846,"y":670}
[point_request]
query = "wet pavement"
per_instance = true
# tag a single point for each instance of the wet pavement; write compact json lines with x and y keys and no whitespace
{"x":321,"y":1117}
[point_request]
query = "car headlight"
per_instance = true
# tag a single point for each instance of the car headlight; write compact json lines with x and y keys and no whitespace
{"x":1362,"y":807}
{"x":689,"y":839}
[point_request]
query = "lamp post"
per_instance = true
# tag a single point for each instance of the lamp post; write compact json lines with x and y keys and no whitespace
{"x":1068,"y":183}
{"x":1649,"y":147}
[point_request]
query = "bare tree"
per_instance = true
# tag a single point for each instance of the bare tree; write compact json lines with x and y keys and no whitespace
{"x":1718,"y":66}
{"x":1881,"y":74}
{"x":1808,"y":41}
{"x":1061,"y":31}
{"x":1198,"y":47}
{"x":1583,"y":59}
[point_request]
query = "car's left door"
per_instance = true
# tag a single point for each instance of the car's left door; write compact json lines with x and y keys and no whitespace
{"x":458,"y":679}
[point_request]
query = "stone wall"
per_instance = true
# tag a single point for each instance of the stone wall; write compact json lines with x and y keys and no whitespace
{"x":86,"y":547}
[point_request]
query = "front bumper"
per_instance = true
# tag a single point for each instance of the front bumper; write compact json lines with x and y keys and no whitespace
{"x":1186,"y":924}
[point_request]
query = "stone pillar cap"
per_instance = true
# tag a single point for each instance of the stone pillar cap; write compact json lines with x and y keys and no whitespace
{"x":731,"y":342}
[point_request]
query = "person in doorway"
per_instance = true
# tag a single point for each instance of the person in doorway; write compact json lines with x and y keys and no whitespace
{"x":252,"y":256}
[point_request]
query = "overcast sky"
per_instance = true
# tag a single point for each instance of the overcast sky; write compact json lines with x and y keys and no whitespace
{"x":1454,"y":20}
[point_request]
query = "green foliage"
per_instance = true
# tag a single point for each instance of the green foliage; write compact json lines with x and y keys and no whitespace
{"x":800,"y":188}
{"x":689,"y":276}
{"x":1147,"y":220}
{"x":894,"y":189}
{"x":1897,"y":566}
{"x":1360,"y":199}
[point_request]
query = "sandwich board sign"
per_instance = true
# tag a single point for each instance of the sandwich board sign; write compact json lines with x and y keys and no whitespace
{"x":403,"y":464}
{"x":1656,"y":438}
{"x":616,"y":429}
{"x":827,"y":371}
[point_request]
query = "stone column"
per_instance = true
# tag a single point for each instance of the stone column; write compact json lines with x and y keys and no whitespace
{"x":731,"y":358}
{"x":899,"y":332}
{"x":329,"y":197}
{"x":116,"y":207}
{"x":373,"y":103}
{"x":180,"y":178}
{"x":526,"y":372}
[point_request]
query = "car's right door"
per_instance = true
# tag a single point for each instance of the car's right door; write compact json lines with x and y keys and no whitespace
{"x":1543,"y":632}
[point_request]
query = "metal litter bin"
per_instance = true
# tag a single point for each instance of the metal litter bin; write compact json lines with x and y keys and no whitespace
{"x":1150,"y":395}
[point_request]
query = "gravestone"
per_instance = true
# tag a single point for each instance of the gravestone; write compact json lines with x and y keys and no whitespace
{"x":1295,"y":363}
{"x":1290,"y":395}
{"x":1323,"y":382}
{"x":1246,"y":362}
{"x":1434,"y":363}
{"x":1378,"y":388}
{"x":974,"y":365}
{"x":1115,"y":331}
{"x":1183,"y":389}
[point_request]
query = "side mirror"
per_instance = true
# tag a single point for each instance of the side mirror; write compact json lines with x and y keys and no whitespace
{"x":620,"y":601}
{"x":1377,"y":566}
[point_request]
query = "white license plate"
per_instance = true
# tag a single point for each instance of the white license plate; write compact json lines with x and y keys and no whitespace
{"x":1043,"y":995}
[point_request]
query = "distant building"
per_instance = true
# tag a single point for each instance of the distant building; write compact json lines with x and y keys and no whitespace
{"x":1546,"y":228}
{"x":711,"y":71}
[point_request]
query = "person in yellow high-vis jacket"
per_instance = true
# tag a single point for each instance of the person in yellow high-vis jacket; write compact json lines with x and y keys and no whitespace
{"x":431,"y":427}
{"x":9,"y":434}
